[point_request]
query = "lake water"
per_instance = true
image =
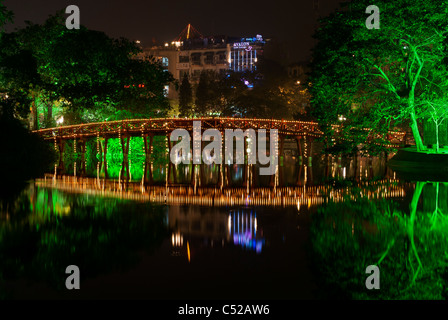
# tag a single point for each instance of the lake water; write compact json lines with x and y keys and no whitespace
{"x":310,"y":233}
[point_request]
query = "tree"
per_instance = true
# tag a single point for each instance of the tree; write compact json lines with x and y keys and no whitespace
{"x":380,"y":78}
{"x":93,"y":76}
{"x":25,"y":156}
{"x":185,"y":97}
{"x":437,"y":114}
{"x":265,"y":93}
{"x":18,"y":77}
{"x":88,"y":68}
{"x":202,"y":95}
{"x":5,"y":16}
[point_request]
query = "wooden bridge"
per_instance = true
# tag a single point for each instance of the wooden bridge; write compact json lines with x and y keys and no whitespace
{"x":148,"y":128}
{"x":163,"y":126}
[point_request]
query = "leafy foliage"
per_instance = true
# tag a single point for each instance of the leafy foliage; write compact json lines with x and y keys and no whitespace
{"x":185,"y":97}
{"x":267,"y":93}
{"x":5,"y":15}
{"x":380,"y":78}
{"x":82,"y":70}
{"x":25,"y":156}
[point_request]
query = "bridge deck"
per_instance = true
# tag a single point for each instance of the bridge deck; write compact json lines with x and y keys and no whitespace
{"x":163,"y":126}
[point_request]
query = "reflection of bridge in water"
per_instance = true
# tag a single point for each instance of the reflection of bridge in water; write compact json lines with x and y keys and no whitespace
{"x":311,"y":195}
{"x":194,"y":220}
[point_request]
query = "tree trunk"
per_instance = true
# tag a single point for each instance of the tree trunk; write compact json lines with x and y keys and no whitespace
{"x":48,"y":121}
{"x":34,"y":119}
{"x":415,"y":132}
{"x":437,"y":136}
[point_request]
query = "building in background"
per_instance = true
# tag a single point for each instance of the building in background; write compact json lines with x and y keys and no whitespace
{"x":244,"y":54}
{"x":299,"y":71}
{"x":191,"y":53}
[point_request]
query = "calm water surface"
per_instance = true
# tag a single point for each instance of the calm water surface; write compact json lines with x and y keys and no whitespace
{"x":311,"y":236}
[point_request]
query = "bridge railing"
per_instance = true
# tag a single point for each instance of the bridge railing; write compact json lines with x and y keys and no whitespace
{"x":165,"y":125}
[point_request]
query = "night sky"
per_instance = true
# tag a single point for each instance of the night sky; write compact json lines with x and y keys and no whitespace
{"x":289,"y":22}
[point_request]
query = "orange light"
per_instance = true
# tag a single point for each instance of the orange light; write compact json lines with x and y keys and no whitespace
{"x":188,"y":251}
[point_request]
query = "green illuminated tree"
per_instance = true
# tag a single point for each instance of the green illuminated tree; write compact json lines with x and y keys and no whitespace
{"x":5,"y":16}
{"x":93,"y":76}
{"x":18,"y":77}
{"x":38,"y":40}
{"x":380,"y":78}
{"x":437,"y":115}
{"x":89,"y":68}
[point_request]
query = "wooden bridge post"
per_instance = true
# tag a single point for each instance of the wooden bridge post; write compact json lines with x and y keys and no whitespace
{"x":299,"y":149}
{"x":201,"y":169}
{"x":228,"y":174}
{"x":219,"y":182}
{"x":168,"y":178}
{"x":310,"y":153}
{"x":104,"y":157}
{"x":125,"y":141}
{"x":99,"y":154}
{"x":223,"y":167}
{"x":193,"y":166}
{"x":82,"y":146}
{"x":220,"y":176}
{"x":272,"y":181}
{"x":148,"y":172}
{"x":61,"y":146}
{"x":148,"y":146}
{"x":280,"y":151}
{"x":254,"y":180}
{"x":282,"y":159}
{"x":246,"y":163}
{"x":171,"y":166}
{"x":104,"y":149}
{"x":193,"y":173}
{"x":278,"y":172}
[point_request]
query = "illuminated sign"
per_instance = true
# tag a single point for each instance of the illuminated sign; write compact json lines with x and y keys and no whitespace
{"x":258,"y":38}
{"x":240,"y":45}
